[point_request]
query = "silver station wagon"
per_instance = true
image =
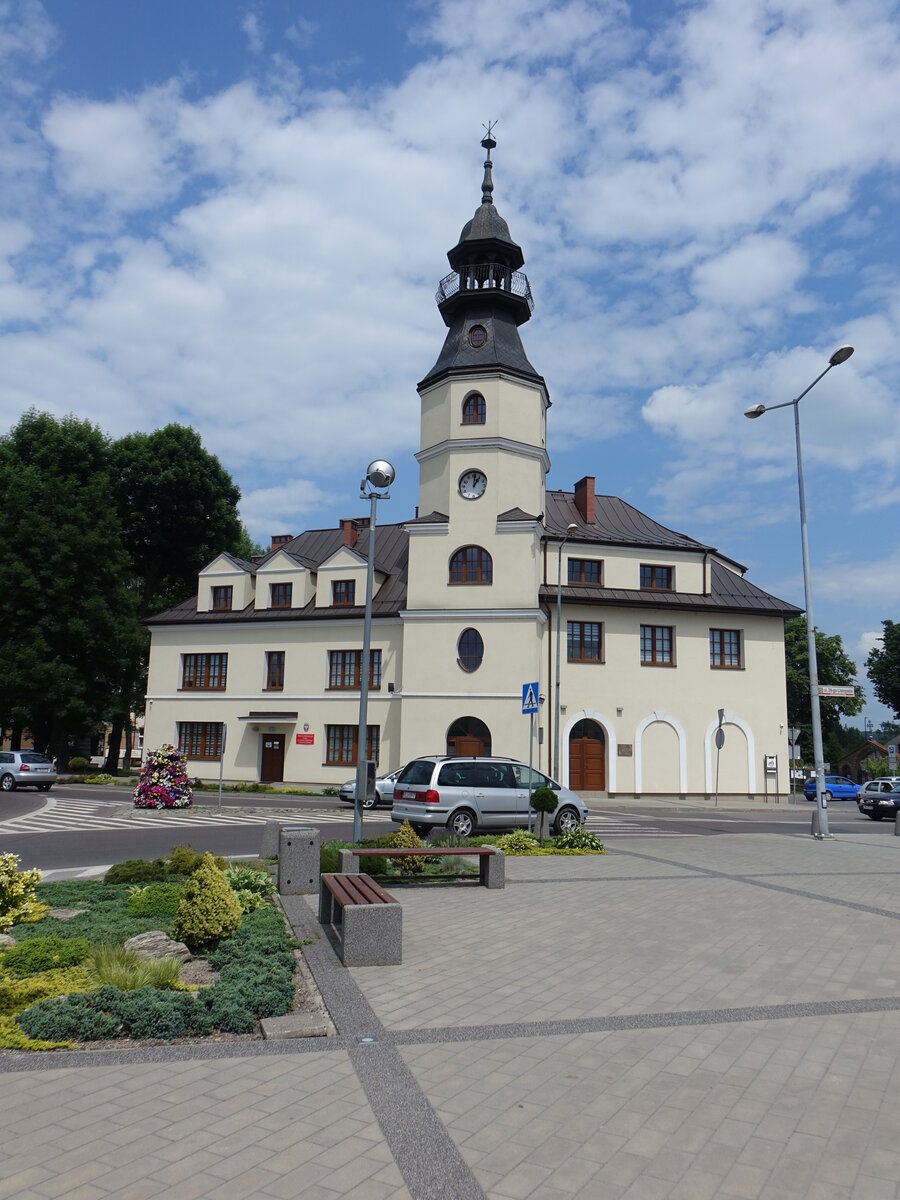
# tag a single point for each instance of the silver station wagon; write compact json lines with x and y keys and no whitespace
{"x":465,"y":794}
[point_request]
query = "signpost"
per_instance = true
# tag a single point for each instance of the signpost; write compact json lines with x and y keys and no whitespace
{"x":720,"y":742}
{"x":529,"y":708}
{"x":222,"y":762}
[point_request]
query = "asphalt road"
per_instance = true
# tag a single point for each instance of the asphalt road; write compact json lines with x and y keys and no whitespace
{"x":89,"y":827}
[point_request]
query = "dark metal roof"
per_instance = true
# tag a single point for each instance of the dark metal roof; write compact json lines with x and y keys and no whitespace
{"x":502,"y":349}
{"x":516,"y":514}
{"x":432,"y":518}
{"x":728,"y":593}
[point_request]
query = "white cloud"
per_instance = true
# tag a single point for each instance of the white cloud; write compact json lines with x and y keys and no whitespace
{"x":252,"y":27}
{"x":754,"y":271}
{"x":283,"y":509}
{"x":25,"y":31}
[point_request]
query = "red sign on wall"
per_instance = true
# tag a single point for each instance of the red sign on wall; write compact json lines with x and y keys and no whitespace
{"x":306,"y":739}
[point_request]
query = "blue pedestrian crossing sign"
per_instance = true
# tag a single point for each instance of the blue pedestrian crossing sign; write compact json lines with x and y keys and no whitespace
{"x":529,"y":697}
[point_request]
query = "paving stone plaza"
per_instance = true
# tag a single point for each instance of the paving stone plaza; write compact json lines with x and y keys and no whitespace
{"x":708,"y":1017}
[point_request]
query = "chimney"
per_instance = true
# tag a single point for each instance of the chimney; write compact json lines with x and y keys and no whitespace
{"x":350,"y":530}
{"x":584,"y":498}
{"x":281,"y":539}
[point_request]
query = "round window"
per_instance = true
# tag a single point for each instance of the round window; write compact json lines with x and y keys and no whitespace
{"x":477,"y":336}
{"x":471,"y":649}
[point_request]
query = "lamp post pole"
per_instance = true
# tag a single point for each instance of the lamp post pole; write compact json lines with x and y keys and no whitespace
{"x":757,"y":410}
{"x":571,"y":529}
{"x":379,"y":474}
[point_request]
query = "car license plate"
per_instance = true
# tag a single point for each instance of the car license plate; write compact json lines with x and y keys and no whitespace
{"x":409,"y":796}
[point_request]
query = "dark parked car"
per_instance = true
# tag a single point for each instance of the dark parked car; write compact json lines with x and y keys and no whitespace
{"x":834,"y":787}
{"x":26,"y":768}
{"x":880,"y":797}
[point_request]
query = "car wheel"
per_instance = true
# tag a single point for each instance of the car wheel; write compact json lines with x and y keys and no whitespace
{"x":44,"y":787}
{"x":827,"y":797}
{"x":7,"y":783}
{"x":370,"y":802}
{"x":462,"y":823}
{"x":566,"y":821}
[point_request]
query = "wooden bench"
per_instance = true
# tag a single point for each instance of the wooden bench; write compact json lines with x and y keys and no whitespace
{"x":491,"y":861}
{"x":369,"y":919}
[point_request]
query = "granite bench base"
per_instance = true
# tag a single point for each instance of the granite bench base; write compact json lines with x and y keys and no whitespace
{"x":368,"y":920}
{"x":491,"y":861}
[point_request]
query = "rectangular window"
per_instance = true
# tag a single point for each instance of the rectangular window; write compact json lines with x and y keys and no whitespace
{"x":274,"y":670}
{"x":584,"y":570}
{"x":341,"y":742}
{"x":200,"y":739}
{"x":281,"y":595}
{"x":657,"y":579}
{"x":204,"y":671}
{"x":221,"y":599}
{"x":725,"y":648}
{"x":344,"y":668}
{"x":583,"y":641}
{"x":343,"y":591}
{"x":657,"y":643}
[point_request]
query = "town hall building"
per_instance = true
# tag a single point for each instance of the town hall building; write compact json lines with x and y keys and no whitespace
{"x":663,"y":639}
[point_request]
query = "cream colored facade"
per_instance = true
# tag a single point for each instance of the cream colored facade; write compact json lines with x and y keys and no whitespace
{"x":627,"y":726}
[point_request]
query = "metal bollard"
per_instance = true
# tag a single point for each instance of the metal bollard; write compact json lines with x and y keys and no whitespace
{"x":897,"y":824}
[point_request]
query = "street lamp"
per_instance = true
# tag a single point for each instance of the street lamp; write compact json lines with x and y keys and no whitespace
{"x":573,"y":528}
{"x":757,"y":410}
{"x":379,"y":477}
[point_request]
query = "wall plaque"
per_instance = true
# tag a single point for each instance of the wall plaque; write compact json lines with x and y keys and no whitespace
{"x":625,"y":750}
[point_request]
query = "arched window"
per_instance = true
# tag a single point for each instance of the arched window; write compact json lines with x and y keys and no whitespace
{"x":470,"y":648}
{"x":471,"y":564}
{"x":473,"y":410}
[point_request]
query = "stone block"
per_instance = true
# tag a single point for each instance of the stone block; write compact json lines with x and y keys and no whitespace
{"x":348,"y":862}
{"x":298,"y":860}
{"x":492,"y":869}
{"x":272,"y":832}
{"x":372,"y":935}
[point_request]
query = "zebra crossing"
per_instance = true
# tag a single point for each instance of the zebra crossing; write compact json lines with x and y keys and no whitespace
{"x":607,"y":825}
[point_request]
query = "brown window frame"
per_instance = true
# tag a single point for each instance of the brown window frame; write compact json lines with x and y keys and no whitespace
{"x":338,"y":674}
{"x":653,"y":661}
{"x":207,"y":734}
{"x":582,"y":641}
{"x":350,"y":584}
{"x":652,"y":585}
{"x":463,"y":663}
{"x":274,"y":671}
{"x":285,"y":593}
{"x":482,"y":569}
{"x":342,"y":742}
{"x":474,"y":409}
{"x":719,"y":636}
{"x":579,"y":573}
{"x":222,"y":598}
{"x":197,"y":671}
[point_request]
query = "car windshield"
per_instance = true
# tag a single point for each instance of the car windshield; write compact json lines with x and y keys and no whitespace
{"x":419,"y":771}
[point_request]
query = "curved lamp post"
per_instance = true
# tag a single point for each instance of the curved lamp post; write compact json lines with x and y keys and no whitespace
{"x":573,"y":528}
{"x":379,"y":477}
{"x":757,"y":410}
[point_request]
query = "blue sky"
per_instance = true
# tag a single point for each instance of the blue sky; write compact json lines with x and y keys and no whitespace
{"x":235,"y":215}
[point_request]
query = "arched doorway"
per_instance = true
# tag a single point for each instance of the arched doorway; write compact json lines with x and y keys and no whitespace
{"x":587,"y":757}
{"x":468,"y":735}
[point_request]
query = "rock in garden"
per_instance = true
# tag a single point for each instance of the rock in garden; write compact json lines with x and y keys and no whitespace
{"x":6,"y":940}
{"x":156,"y":944}
{"x":65,"y":914}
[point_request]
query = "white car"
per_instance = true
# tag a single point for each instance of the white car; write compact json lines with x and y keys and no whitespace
{"x":26,"y":768}
{"x":384,"y":790}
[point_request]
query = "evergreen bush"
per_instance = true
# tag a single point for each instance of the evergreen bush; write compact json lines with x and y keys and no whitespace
{"x":17,"y":898}
{"x":78,"y":764}
{"x":209,"y":909}
{"x":137,"y":870}
{"x":544,"y":801}
{"x":155,"y":900}
{"x":407,"y":837}
{"x":44,"y":954}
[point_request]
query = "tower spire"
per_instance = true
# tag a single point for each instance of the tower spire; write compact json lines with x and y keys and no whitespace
{"x":489,"y":143}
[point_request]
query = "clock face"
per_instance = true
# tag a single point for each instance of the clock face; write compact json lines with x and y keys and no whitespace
{"x":472,"y":485}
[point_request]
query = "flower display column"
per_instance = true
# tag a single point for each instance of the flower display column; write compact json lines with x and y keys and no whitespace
{"x":164,"y":781}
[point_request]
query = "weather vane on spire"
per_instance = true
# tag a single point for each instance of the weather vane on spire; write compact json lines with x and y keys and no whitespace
{"x":489,"y":142}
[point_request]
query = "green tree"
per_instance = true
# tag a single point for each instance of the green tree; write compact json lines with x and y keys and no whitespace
{"x":67,"y":613}
{"x":883,"y":667}
{"x":834,"y":667}
{"x":247,"y":547}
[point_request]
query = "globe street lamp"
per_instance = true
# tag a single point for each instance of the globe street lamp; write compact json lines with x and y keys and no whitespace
{"x":757,"y":410}
{"x":379,"y":477}
{"x":573,"y":528}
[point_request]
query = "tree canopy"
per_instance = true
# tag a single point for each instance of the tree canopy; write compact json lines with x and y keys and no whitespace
{"x":883,"y":667}
{"x":834,"y":667}
{"x":95,"y":535}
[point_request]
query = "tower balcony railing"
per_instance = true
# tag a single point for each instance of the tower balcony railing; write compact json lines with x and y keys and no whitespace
{"x":486,"y":276}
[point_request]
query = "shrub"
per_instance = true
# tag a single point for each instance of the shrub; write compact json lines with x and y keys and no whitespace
{"x":328,"y":856}
{"x":16,"y":995}
{"x":121,"y":968}
{"x":163,"y":781}
{"x":44,"y":954}
{"x":544,"y":800}
{"x":17,"y":898}
{"x":184,"y":860}
{"x":137,"y":870}
{"x":406,"y":836}
{"x":243,"y":877}
{"x":101,"y":778}
{"x":209,"y":909}
{"x":154,"y":900}
{"x":110,"y":1012}
{"x":579,"y":839}
{"x":79,"y":764}
{"x":517,"y":843}
{"x":330,"y":791}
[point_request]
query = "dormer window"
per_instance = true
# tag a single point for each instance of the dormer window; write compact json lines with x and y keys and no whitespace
{"x":474,"y":410}
{"x":343,"y":592}
{"x":657,"y":579}
{"x":221,"y":599}
{"x":281,"y":595}
{"x":584,"y":570}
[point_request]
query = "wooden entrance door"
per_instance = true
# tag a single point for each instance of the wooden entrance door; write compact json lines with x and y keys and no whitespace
{"x":272,"y":766}
{"x":464,"y":746}
{"x":587,"y":758}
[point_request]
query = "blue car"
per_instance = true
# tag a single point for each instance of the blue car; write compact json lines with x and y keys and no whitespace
{"x":834,"y":787}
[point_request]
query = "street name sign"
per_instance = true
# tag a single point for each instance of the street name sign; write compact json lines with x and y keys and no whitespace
{"x":835,"y":689}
